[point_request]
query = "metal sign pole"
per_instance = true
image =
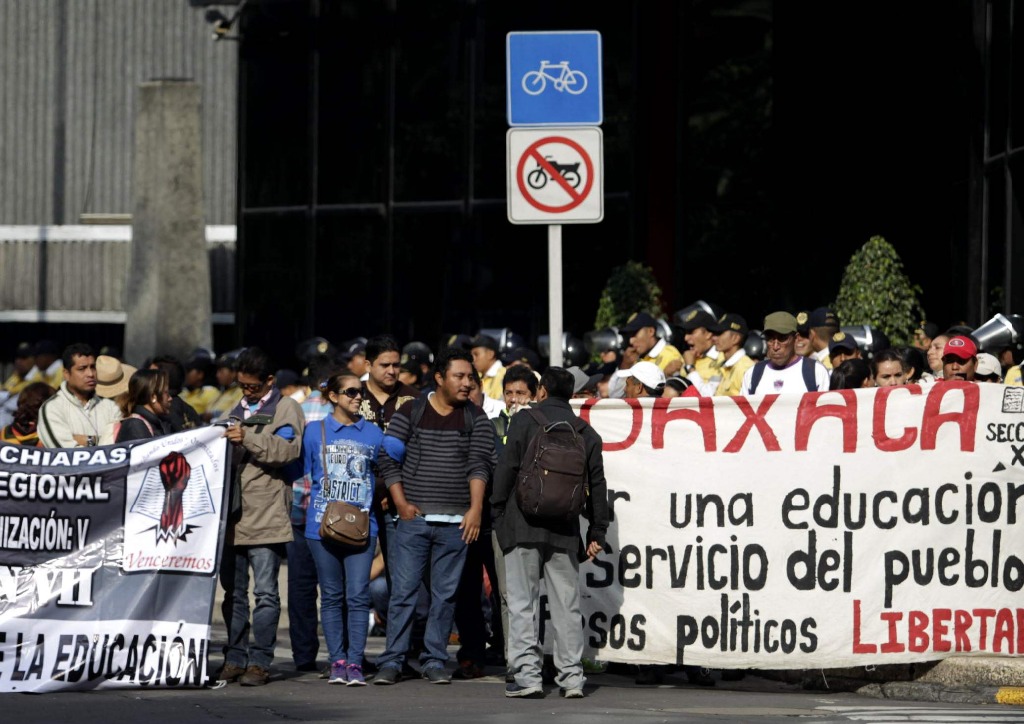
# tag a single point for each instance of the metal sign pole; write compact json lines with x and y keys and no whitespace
{"x":555,"y":293}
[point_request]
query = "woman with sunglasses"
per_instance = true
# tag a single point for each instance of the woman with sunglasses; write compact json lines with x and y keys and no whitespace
{"x":352,"y":445}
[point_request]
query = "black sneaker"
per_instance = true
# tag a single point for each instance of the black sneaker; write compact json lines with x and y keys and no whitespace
{"x":650,"y":675}
{"x":548,"y":672}
{"x":388,"y":675}
{"x":437,"y":675}
{"x":699,"y":675}
{"x":468,"y":670}
{"x":515,"y":691}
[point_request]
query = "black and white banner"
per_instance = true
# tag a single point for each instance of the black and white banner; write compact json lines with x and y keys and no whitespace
{"x":824,"y":530}
{"x":108,"y":561}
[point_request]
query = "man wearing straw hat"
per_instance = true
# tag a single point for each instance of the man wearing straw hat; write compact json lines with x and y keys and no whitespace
{"x":112,"y":376}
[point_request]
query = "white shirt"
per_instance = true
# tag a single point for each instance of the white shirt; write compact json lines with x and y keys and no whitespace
{"x":736,"y":357}
{"x":706,"y":387}
{"x":492,"y":408}
{"x":788,"y":380}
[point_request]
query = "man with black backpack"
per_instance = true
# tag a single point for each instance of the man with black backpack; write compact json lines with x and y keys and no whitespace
{"x":551,"y":473}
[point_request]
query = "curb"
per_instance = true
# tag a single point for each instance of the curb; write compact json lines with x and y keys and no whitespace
{"x":922,"y":691}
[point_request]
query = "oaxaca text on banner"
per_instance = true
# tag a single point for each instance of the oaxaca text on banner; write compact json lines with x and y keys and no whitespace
{"x":824,"y":530}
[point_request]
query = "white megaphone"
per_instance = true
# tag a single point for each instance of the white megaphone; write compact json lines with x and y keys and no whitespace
{"x":1001,"y":333}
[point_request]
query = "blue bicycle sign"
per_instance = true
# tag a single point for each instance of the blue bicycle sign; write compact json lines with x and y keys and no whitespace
{"x":554,"y":78}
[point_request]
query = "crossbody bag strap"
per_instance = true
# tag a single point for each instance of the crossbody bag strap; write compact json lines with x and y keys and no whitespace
{"x":144,"y":422}
{"x":323,"y":453}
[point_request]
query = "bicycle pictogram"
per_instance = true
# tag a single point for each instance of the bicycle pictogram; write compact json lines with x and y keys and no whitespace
{"x":565,"y":79}
{"x":538,"y":177}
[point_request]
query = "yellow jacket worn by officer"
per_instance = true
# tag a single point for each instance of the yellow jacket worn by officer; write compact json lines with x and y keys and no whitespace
{"x":664,"y":355}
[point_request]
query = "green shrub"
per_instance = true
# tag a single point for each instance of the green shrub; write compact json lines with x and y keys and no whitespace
{"x":876,"y":291}
{"x":630,"y":288}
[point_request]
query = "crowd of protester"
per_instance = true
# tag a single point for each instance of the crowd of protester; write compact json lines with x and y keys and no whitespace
{"x":415,"y":442}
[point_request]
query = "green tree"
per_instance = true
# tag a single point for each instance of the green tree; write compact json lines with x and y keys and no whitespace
{"x":630,"y":288}
{"x":876,"y":291}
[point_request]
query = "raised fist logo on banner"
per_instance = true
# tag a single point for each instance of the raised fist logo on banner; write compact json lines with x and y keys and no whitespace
{"x":174,"y":474}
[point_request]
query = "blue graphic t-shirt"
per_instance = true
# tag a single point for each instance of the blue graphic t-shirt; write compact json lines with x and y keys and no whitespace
{"x":351,"y":452}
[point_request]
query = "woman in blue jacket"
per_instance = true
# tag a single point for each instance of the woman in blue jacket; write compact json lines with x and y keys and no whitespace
{"x":352,"y":446}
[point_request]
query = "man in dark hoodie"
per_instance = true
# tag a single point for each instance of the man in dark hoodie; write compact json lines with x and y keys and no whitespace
{"x":534,"y":547}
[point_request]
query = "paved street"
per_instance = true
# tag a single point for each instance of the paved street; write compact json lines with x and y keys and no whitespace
{"x":611,"y":699}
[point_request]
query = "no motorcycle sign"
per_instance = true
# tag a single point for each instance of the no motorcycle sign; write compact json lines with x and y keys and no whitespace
{"x":555,"y":176}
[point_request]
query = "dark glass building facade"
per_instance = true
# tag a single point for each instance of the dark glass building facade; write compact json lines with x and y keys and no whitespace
{"x":747,"y":154}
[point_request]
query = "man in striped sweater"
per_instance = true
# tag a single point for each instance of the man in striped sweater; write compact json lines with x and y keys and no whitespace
{"x":438,"y":488}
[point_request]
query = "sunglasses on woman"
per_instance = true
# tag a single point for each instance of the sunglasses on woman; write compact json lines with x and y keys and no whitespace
{"x":351,"y":392}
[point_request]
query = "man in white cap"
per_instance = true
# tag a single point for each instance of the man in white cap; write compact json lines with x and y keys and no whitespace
{"x":988,"y":368}
{"x":645,"y":380}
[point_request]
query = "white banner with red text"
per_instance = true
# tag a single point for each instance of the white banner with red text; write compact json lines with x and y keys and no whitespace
{"x":829,"y":529}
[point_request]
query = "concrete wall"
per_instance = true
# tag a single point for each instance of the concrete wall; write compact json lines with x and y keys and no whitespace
{"x":69,"y":77}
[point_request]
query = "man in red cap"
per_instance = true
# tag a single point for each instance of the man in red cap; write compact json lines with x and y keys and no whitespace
{"x":959,"y":359}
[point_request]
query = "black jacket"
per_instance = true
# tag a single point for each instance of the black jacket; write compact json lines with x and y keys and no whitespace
{"x":511,"y":527}
{"x":133,"y":428}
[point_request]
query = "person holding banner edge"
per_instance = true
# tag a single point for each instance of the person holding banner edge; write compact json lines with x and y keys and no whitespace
{"x":265,"y":435}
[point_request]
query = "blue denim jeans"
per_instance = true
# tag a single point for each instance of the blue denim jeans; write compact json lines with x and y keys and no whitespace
{"x":265,"y":562}
{"x":302,"y":611}
{"x":418,"y":549}
{"x":344,"y":575}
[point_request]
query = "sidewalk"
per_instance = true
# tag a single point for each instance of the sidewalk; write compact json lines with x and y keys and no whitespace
{"x":954,"y":680}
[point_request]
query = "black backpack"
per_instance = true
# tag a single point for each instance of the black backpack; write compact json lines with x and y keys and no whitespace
{"x":419,"y":406}
{"x":553,"y":476}
{"x":807,"y":369}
